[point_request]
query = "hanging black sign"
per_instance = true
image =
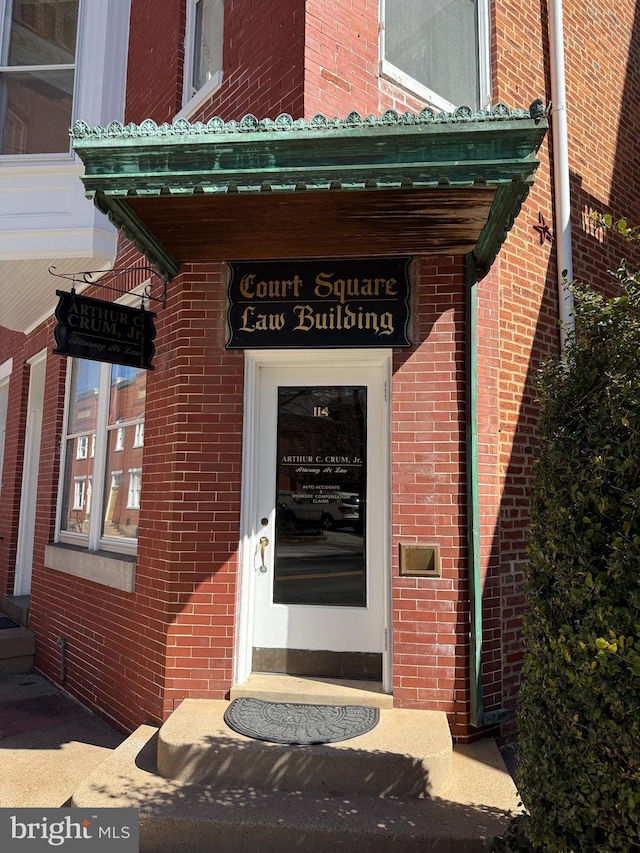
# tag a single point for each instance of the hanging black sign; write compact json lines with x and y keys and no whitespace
{"x":104,"y":331}
{"x":333,"y":303}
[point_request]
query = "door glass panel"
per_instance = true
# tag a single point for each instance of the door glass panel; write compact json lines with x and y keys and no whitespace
{"x":320,"y":503}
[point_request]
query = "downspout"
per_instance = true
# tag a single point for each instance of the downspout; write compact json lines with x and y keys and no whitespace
{"x":561,"y":185}
{"x":473,"y":506}
{"x":479,"y":717}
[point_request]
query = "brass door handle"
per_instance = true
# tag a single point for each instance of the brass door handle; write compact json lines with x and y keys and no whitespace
{"x":263,"y":544}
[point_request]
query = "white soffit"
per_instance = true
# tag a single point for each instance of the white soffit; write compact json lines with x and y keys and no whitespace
{"x":28,"y":290}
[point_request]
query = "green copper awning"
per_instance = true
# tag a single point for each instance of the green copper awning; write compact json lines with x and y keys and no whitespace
{"x":450,"y":183}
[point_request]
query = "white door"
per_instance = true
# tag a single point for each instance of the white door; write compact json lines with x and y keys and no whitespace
{"x":26,"y":524}
{"x":317,"y":547}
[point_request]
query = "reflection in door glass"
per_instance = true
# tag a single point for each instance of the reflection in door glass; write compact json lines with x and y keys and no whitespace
{"x":320,"y":505}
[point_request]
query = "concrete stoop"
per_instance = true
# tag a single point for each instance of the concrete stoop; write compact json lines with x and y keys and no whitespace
{"x":200,"y":788}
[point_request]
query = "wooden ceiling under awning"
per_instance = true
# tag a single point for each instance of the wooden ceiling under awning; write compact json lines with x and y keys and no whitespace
{"x":334,"y":224}
{"x":388,"y":186}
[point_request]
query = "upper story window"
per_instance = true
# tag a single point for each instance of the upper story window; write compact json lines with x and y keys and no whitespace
{"x":82,"y":447}
{"x":138,"y":437}
{"x":203,"y":52}
{"x":37,"y":75}
{"x":438,"y":50}
{"x":100,"y":494}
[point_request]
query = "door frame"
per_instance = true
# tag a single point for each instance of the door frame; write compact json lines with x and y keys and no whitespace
{"x":30,"y":472}
{"x":254,"y":361}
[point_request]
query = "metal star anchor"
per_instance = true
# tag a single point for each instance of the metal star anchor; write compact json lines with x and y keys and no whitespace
{"x":544,"y":232}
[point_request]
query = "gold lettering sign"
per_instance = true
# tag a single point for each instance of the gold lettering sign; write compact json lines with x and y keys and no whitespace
{"x":334,"y":303}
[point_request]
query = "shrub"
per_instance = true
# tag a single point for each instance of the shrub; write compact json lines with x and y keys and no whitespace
{"x":579,"y":718}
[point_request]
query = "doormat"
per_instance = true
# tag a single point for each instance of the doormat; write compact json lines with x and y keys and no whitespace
{"x":5,"y":622}
{"x":298,"y":723}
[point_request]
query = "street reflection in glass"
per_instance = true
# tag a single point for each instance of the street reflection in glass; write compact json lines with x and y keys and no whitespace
{"x":320,"y":504}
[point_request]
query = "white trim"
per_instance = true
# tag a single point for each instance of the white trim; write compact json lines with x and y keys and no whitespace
{"x":37,"y":358}
{"x":388,"y":71}
{"x":5,"y":370}
{"x":4,"y":408}
{"x":255,"y":360}
{"x":202,"y":95}
{"x":484,"y":54}
{"x":189,"y":55}
{"x":30,"y":472}
{"x":191,"y":103}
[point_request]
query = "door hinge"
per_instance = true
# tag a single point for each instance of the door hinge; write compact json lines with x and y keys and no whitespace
{"x":386,"y":399}
{"x":386,"y":639}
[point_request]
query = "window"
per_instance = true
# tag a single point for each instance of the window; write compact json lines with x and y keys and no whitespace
{"x":138,"y":438}
{"x":37,"y":75}
{"x":437,"y":50}
{"x":78,"y":493}
{"x":105,"y":402}
{"x":135,"y":483}
{"x":203,"y":52}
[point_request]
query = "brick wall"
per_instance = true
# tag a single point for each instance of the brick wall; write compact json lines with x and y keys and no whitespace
{"x":155,"y":61}
{"x":191,"y":504}
{"x":602,"y":66}
{"x":134,"y":657}
{"x":429,"y":495}
{"x":263,"y":61}
{"x":140,"y":655}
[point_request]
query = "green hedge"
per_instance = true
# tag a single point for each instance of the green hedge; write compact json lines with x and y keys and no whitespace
{"x":579,"y":719}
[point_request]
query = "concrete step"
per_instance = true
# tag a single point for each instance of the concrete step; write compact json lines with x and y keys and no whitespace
{"x":407,"y":754}
{"x":17,"y":650}
{"x":17,"y":607}
{"x":177,"y":816}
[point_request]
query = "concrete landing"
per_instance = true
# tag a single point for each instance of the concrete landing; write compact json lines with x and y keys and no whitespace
{"x":240,"y":814}
{"x":408,"y":754}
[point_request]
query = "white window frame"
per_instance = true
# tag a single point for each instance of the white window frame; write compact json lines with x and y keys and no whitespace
{"x":5,"y":30}
{"x":102,"y":41}
{"x":192,"y":101}
{"x":393,"y":74}
{"x":138,"y":437}
{"x":79,"y":484}
{"x":82,"y":447}
{"x":94,"y":540}
{"x":119,"y":440}
{"x":5,"y":376}
{"x":135,"y":488}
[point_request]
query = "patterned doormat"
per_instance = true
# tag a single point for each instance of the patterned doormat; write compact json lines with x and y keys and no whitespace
{"x":297,"y":723}
{"x":5,"y":622}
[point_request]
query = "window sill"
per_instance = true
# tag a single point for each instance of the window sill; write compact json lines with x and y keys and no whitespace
{"x":202,"y":95}
{"x":104,"y":567}
{"x":394,"y":75}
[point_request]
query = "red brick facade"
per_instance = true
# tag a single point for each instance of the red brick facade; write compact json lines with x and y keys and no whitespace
{"x":134,"y":656}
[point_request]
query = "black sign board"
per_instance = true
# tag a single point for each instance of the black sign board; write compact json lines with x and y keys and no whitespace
{"x":104,"y":331}
{"x":331,"y":303}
